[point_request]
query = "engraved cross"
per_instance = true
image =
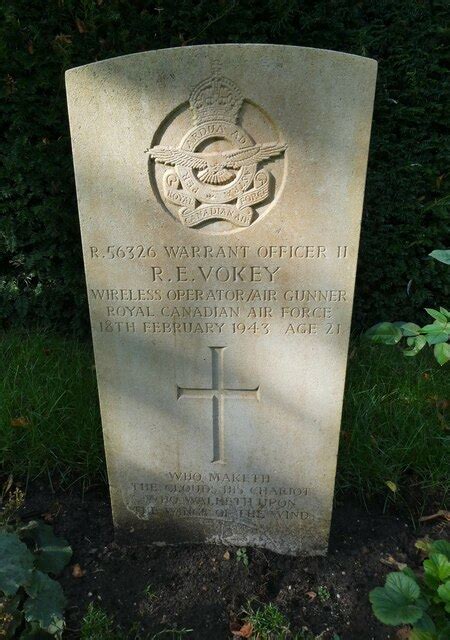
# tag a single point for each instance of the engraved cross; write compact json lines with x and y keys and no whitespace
{"x":217,"y":392}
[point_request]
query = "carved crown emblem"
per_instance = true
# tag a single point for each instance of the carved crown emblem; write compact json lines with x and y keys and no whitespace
{"x":216,"y":98}
{"x":209,"y":184}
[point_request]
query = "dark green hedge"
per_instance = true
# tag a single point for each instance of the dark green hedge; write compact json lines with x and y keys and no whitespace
{"x":405,"y":215}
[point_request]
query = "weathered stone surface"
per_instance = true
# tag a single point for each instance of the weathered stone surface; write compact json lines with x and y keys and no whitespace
{"x":220,"y":192}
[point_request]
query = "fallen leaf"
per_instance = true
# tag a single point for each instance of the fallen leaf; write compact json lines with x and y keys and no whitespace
{"x":244,"y":631}
{"x":439,"y":180}
{"x":391,"y":485}
{"x":311,"y":595}
{"x":434,"y":516}
{"x":81,"y":26}
{"x":63,"y":39}
{"x":403,"y":633}
{"x":21,"y":421}
{"x":10,"y":84}
{"x":226,"y":555}
{"x":30,"y":47}
{"x":392,"y":562}
{"x":77,"y":571}
{"x":423,"y":545}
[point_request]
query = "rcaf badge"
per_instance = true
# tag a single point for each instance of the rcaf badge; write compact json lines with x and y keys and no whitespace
{"x":216,"y":185}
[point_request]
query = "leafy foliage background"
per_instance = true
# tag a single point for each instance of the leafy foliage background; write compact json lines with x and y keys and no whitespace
{"x":406,"y":208}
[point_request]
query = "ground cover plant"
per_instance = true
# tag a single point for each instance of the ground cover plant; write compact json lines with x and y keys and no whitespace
{"x":422,"y":601}
{"x":31,"y":601}
{"x":436,"y":334}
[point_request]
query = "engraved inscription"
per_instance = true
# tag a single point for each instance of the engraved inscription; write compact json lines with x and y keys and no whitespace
{"x":218,"y":393}
{"x":249,"y":498}
{"x":220,"y":184}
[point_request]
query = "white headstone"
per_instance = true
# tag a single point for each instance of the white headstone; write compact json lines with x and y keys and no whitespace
{"x":220,"y":191}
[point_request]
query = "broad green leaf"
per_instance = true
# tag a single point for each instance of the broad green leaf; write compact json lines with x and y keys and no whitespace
{"x":410,"y":573}
{"x":442,"y":352}
{"x":396,"y":602}
{"x":34,"y":632}
{"x":444,"y":633}
{"x":443,"y":255}
{"x":437,"y":338}
{"x":440,"y":546}
{"x":46,"y":603}
{"x":16,"y":563}
{"x":402,"y":586}
{"x":437,"y":566}
{"x":437,"y":315}
{"x":384,"y":333}
{"x":444,"y":595}
{"x":416,"y":634}
{"x":410,"y":329}
{"x":445,"y":312}
{"x":417,"y":344}
{"x":425,"y":624}
{"x":435,"y":327}
{"x":53,"y":553}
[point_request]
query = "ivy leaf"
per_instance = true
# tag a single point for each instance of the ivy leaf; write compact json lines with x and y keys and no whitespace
{"x":443,"y":255}
{"x":53,"y":553}
{"x":442,"y":352}
{"x":384,"y":333}
{"x":16,"y":563}
{"x":46,"y":603}
{"x":397,"y":602}
{"x":437,"y":566}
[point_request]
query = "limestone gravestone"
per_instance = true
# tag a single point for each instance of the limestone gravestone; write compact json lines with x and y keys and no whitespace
{"x":220,"y":191}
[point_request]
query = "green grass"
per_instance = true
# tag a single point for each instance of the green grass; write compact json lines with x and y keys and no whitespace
{"x":268,"y":622}
{"x":395,"y":425}
{"x":98,"y":625}
{"x":394,"y":429}
{"x":48,"y":384}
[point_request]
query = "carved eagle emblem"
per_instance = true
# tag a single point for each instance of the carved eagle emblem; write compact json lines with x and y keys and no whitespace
{"x":217,"y":168}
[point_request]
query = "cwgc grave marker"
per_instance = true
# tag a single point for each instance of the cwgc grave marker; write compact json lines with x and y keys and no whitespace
{"x":220,"y":192}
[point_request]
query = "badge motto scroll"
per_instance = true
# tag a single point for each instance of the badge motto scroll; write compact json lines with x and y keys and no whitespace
{"x":216,"y":185}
